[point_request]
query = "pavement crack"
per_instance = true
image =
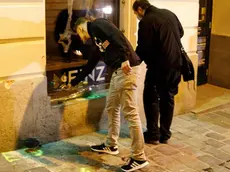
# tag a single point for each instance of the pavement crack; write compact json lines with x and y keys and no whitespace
{"x":208,"y":169}
{"x":222,"y":164}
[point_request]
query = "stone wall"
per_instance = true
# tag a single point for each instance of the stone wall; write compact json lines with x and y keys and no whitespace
{"x":27,"y":112}
{"x":219,"y":62}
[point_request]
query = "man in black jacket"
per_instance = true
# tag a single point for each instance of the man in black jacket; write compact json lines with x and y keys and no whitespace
{"x":119,"y":55}
{"x":158,"y":32}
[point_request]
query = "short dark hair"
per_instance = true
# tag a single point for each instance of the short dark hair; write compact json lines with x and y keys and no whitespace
{"x":79,"y":21}
{"x":144,"y":4}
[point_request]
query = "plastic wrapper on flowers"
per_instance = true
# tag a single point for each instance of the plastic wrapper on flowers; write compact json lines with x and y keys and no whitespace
{"x":83,"y":91}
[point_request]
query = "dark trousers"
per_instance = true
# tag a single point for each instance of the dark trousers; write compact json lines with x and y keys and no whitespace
{"x":159,"y":92}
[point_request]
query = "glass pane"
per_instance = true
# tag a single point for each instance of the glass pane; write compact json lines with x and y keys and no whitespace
{"x":64,"y":58}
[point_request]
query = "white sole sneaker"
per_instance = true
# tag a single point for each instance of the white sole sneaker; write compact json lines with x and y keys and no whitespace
{"x":137,"y":167}
{"x":105,"y":151}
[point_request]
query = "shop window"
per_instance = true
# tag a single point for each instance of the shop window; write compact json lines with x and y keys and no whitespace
{"x":65,"y":58}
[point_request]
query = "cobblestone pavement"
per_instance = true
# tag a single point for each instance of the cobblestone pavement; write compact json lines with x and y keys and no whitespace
{"x":200,"y":143}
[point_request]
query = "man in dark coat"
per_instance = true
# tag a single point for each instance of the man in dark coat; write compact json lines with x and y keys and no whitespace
{"x":119,"y":55}
{"x":158,"y":32}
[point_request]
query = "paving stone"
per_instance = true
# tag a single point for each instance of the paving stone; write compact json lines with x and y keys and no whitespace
{"x":169,"y":163}
{"x":166,"y":150}
{"x":176,"y":166}
{"x":152,"y":168}
{"x":176,"y":143}
{"x":190,"y":161}
{"x":200,"y":137}
{"x":22,"y":165}
{"x":208,"y":170}
{"x":227,"y":134}
{"x":215,"y":136}
{"x":22,"y":161}
{"x":223,"y":123}
{"x":38,"y":169}
{"x":161,"y":159}
{"x":124,"y":151}
{"x":65,"y":168}
{"x":213,"y":115}
{"x":5,"y":166}
{"x":173,"y":131}
{"x":215,"y":119}
{"x":112,"y":160}
{"x":191,"y":132}
{"x":149,"y":151}
{"x":227,"y":141}
{"x":199,"y":130}
{"x":208,"y":159}
{"x":217,"y":153}
{"x":205,"y":118}
{"x":227,"y":165}
{"x":175,"y":126}
{"x":202,"y":123}
{"x":219,"y":129}
{"x":96,"y":159}
{"x":220,"y":169}
{"x":188,"y":117}
{"x":224,"y":114}
{"x":195,"y":143}
{"x":214,"y":143}
{"x":189,"y":170}
{"x":227,"y":110}
{"x":183,"y":123}
{"x":182,"y":130}
{"x":189,"y":150}
{"x":220,"y":120}
{"x":180,"y":136}
{"x":226,"y":149}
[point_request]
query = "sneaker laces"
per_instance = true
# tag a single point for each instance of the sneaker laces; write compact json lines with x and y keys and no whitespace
{"x":102,"y":146}
{"x":129,"y":160}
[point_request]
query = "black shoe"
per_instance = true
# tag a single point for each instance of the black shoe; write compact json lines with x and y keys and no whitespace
{"x":134,"y":165}
{"x":113,"y":150}
{"x":148,"y":140}
{"x":153,"y":142}
{"x":163,"y":141}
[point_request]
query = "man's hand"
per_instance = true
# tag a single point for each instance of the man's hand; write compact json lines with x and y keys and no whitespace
{"x":125,"y":66}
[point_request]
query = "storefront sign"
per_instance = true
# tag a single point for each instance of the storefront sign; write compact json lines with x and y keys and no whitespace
{"x":65,"y":76}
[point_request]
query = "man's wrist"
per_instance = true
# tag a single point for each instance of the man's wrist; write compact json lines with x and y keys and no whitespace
{"x":125,"y":63}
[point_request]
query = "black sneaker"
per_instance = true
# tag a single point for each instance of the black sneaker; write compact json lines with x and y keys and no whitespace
{"x":134,"y":165}
{"x":113,"y":150}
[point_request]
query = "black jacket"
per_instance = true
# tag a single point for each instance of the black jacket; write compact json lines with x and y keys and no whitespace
{"x":118,"y":50}
{"x":93,"y":56}
{"x":157,"y":44}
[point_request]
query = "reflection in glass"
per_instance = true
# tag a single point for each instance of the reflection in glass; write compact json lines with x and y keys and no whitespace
{"x":65,"y":50}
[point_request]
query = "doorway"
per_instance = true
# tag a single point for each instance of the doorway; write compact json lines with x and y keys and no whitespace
{"x":204,"y":35}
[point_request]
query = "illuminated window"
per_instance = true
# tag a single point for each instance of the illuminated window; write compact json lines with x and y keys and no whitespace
{"x":65,"y":54}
